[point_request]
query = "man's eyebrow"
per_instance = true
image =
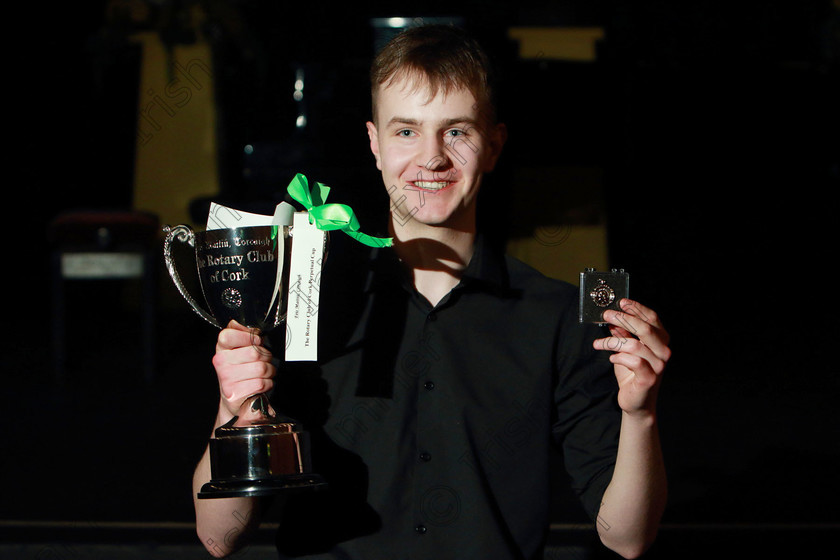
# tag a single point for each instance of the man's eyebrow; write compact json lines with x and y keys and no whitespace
{"x":460,"y":120}
{"x":402,"y":120}
{"x":444,"y":123}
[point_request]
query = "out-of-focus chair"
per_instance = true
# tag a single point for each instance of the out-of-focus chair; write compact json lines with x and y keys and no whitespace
{"x":103,"y":245}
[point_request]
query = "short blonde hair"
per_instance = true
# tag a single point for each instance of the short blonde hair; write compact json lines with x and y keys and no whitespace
{"x":443,"y":58}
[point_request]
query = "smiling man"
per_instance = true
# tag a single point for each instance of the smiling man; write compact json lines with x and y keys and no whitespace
{"x":447,"y":373}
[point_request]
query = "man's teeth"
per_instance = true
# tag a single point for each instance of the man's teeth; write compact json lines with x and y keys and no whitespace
{"x":431,"y":185}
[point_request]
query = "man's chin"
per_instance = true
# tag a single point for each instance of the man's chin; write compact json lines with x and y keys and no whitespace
{"x":458,"y":220}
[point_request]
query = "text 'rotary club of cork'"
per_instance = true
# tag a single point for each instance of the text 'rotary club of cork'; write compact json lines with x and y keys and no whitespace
{"x":259,"y":255}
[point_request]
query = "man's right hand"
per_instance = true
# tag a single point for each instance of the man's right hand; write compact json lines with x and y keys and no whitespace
{"x":243,"y":365}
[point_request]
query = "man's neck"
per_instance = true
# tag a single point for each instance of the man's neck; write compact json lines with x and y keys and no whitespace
{"x":435,"y":256}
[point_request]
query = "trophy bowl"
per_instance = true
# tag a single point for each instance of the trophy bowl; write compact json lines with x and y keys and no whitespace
{"x":243,"y":274}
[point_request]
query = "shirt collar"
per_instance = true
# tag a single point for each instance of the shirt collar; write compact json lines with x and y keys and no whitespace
{"x":487,"y":266}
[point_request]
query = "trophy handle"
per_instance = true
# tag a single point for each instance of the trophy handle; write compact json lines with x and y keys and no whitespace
{"x":183,"y":234}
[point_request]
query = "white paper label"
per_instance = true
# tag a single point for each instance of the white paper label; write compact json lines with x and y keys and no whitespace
{"x":221,"y":217}
{"x":101,"y":265}
{"x":304,"y":290}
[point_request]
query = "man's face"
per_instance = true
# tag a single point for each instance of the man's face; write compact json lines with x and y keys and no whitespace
{"x":432,"y":154}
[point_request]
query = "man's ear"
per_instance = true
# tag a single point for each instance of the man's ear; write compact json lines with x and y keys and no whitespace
{"x":373,"y":134}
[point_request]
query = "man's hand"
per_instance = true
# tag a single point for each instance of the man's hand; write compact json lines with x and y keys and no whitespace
{"x":640,"y":349}
{"x":243,"y":366}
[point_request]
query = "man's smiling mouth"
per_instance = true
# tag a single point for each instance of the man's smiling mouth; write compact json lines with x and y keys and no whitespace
{"x":431,"y":185}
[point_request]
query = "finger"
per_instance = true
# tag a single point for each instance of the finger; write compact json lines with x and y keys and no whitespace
{"x":638,"y":357}
{"x":616,"y":341}
{"x":245,"y":355}
{"x":235,"y":393}
{"x":234,"y":324}
{"x":643,"y":312}
{"x":634,"y":353}
{"x":231,"y":376}
{"x":653,"y":336}
{"x":619,"y":332}
{"x":646,"y":314}
{"x":230,"y":338}
{"x":250,"y":370}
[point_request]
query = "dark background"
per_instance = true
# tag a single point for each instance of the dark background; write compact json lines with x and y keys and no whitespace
{"x":716,"y":127}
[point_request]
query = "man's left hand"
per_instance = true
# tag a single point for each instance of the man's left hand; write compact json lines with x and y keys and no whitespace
{"x":639,"y":346}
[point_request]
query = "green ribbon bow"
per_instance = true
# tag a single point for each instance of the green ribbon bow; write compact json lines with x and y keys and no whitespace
{"x":330,"y":217}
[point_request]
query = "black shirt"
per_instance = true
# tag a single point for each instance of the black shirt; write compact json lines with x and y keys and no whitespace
{"x":432,"y":424}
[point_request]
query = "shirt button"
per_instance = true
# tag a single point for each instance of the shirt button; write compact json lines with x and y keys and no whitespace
{"x":420,"y":529}
{"x":432,"y":316}
{"x":429,"y":385}
{"x":425,"y":457}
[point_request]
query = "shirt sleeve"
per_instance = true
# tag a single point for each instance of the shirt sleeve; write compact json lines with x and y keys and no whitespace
{"x":587,"y":422}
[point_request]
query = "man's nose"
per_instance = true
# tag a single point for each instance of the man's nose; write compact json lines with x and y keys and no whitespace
{"x":433,"y":155}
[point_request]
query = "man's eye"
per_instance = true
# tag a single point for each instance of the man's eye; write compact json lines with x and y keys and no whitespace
{"x":405,"y":133}
{"x":455,"y":132}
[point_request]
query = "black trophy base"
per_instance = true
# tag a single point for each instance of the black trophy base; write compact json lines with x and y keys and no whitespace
{"x":262,"y":487}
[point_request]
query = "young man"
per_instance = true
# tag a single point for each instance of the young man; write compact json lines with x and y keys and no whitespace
{"x":446,"y":373}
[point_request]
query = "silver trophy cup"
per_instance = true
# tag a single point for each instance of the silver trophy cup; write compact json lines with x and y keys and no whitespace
{"x":243,"y":274}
